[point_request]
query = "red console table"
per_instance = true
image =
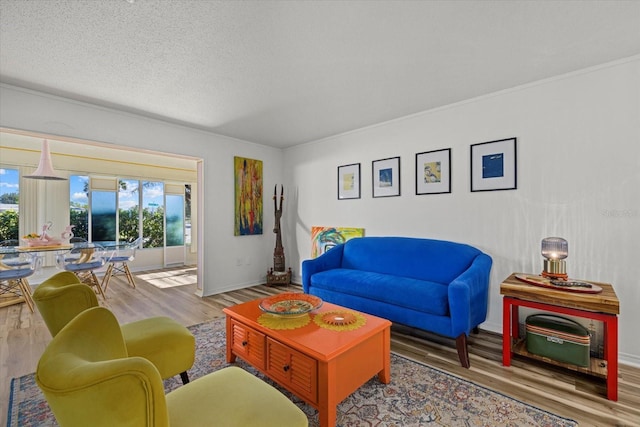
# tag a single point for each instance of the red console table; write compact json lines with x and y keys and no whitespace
{"x":603,"y":306}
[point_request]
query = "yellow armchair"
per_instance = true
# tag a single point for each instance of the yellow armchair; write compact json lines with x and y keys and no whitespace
{"x":166,"y":343}
{"x":89,"y":379}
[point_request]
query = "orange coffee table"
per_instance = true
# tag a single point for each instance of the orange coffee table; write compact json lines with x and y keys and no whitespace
{"x":321,"y":366}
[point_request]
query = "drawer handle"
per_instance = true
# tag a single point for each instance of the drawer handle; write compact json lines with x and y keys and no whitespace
{"x":286,"y":368}
{"x":244,"y":343}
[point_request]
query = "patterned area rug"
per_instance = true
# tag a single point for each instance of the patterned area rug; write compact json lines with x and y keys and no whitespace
{"x":417,"y":395}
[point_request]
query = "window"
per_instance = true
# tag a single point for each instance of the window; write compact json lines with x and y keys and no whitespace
{"x":128,"y":210}
{"x":104,"y":212}
{"x":9,"y":204}
{"x":187,"y":214}
{"x":103,"y":216}
{"x":153,"y":214}
{"x":175,"y":220}
{"x":79,"y":205}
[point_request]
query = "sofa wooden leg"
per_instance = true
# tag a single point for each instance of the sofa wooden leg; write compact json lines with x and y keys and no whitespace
{"x":463,"y":352}
{"x":476,"y":330}
{"x":185,"y":377}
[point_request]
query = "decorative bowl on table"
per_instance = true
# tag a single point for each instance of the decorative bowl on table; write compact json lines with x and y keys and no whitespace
{"x":290,"y":304}
{"x":37,"y":241}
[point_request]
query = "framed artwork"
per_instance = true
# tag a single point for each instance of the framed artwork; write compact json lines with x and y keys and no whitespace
{"x":325,"y":238}
{"x":493,"y":165}
{"x":433,"y":172}
{"x":349,"y":181}
{"x":385,"y":175}
{"x":248,"y":196}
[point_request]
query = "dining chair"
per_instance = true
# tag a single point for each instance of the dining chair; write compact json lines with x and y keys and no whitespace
{"x":118,"y":263}
{"x":13,"y":258}
{"x":13,"y":278}
{"x":83,"y":260}
{"x":89,"y":379}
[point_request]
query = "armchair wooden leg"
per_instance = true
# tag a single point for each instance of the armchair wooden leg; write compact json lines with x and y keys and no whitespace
{"x":476,"y":330}
{"x":185,"y":377}
{"x":463,"y":352}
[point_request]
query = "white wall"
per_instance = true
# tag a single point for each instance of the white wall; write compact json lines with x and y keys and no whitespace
{"x":37,"y":112}
{"x":578,"y":178}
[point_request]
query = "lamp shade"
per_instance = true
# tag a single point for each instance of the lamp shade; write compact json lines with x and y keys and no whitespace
{"x":45,"y":167}
{"x":555,"y":248}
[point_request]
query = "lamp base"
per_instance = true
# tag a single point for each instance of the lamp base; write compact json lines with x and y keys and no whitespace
{"x":561,"y":276}
{"x":555,"y":269}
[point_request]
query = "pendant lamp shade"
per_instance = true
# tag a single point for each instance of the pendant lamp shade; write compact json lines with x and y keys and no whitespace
{"x":45,"y":167}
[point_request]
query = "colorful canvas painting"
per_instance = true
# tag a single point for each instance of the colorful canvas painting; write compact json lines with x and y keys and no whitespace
{"x":325,"y":238}
{"x":248,"y":196}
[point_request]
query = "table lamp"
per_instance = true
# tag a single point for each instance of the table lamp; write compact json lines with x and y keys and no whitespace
{"x":554,"y":251}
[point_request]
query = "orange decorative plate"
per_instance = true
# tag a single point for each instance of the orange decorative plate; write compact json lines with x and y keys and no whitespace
{"x":339,"y":318}
{"x":290,"y":304}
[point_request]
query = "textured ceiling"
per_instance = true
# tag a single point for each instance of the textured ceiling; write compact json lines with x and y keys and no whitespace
{"x":282,"y":73}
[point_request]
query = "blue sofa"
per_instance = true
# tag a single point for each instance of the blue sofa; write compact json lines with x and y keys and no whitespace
{"x":434,"y":285}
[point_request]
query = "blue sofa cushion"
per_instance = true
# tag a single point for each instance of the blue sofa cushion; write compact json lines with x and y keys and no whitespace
{"x":420,"y":295}
{"x":424,"y":259}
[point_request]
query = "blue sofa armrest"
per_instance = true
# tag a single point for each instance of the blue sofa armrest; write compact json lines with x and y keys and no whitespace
{"x":327,"y":261}
{"x":469,"y":296}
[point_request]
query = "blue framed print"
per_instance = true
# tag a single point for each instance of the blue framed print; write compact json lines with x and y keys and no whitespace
{"x":385,"y":177}
{"x":494,"y":166}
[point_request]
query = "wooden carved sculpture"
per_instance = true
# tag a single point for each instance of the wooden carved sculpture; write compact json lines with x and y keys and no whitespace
{"x":278,"y":252}
{"x":277,"y":274}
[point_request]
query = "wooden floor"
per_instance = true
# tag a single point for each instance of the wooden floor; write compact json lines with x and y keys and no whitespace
{"x":23,"y":336}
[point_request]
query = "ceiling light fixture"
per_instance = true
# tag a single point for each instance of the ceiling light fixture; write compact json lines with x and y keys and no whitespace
{"x":45,"y":167}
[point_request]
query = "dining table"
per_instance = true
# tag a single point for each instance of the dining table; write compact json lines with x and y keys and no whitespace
{"x":15,"y":268}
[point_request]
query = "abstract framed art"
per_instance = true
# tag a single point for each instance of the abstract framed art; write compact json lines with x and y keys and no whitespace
{"x":349,"y":181}
{"x":248,"y":196}
{"x":433,"y":172}
{"x":325,"y":238}
{"x":494,"y":166}
{"x":385,"y":175}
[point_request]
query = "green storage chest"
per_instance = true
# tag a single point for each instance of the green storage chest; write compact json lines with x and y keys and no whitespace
{"x":558,"y":338}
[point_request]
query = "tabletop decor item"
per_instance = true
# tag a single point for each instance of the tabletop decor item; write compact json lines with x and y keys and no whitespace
{"x":554,"y":251}
{"x":44,"y":239}
{"x":568,"y":285}
{"x":275,"y":321}
{"x":340,"y":320}
{"x":290,"y":304}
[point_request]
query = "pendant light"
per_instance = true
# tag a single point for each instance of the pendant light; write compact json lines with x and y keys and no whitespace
{"x":45,"y":167}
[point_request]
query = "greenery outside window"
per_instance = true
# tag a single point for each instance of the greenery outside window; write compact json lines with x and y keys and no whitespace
{"x":9,"y":204}
{"x":79,"y":205}
{"x":153,"y":214}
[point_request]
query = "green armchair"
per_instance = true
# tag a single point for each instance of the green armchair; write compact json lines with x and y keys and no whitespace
{"x":167,"y":344}
{"x":89,"y":379}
